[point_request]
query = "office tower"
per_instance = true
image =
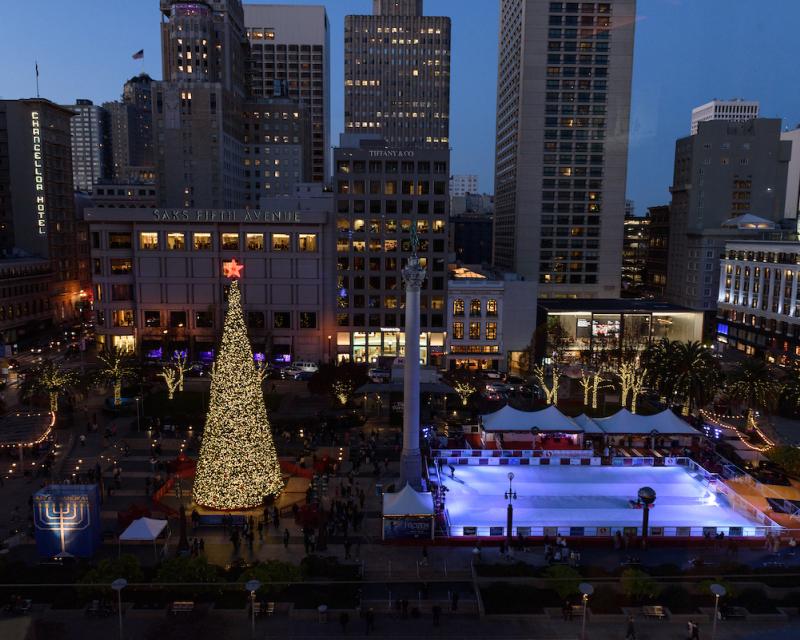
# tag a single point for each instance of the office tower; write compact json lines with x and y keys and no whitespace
{"x":197,"y":108}
{"x":278,"y":147}
{"x":397,"y":75}
{"x":636,"y":238}
{"x":735,"y":110}
{"x":131,"y":126}
{"x":792,"y":204}
{"x":44,"y":244}
{"x":725,"y":171}
{"x":563,"y":104}
{"x":91,"y":147}
{"x":291,"y":44}
{"x":461,"y":185}
{"x":657,"y":249}
{"x":382,"y":192}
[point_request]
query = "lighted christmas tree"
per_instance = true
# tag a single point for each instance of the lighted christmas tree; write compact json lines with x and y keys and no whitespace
{"x":238,"y":465}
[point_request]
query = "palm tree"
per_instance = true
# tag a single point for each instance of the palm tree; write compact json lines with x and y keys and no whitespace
{"x":754,"y":385}
{"x":48,"y":378}
{"x":656,"y":358}
{"x":117,"y":366}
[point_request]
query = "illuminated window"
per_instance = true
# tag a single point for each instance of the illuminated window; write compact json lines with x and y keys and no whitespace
{"x":148,"y":240}
{"x":458,"y":330}
{"x":308,"y":242}
{"x":308,"y":320}
{"x":202,"y":241}
{"x":458,"y":307}
{"x":474,"y":330}
{"x":491,"y":307}
{"x":281,"y":242}
{"x":121,"y":266}
{"x":176,"y":241}
{"x":230,"y":241}
{"x":255,"y":241}
{"x":475,"y":307}
{"x":491,"y":331}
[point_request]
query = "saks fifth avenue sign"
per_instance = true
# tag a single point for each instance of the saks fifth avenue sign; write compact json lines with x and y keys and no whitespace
{"x":38,"y":174}
{"x":224,"y":215}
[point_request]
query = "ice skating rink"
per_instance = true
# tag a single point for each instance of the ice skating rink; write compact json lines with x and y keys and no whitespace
{"x":581,"y":496}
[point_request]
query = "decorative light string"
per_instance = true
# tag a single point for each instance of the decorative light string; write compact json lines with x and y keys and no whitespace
{"x":716,"y":419}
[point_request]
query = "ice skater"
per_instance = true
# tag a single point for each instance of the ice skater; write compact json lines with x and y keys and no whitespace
{"x":452,"y":471}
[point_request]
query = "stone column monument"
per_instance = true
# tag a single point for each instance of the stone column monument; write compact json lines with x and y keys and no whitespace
{"x":411,"y":460}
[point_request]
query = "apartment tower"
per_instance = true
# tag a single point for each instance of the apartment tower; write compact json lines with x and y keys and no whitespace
{"x":563,"y":107}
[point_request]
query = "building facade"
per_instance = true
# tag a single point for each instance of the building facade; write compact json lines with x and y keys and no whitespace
{"x":278,"y":148}
{"x":37,"y":204}
{"x":723,"y":172}
{"x":384,"y":195}
{"x":461,"y":185}
{"x":563,"y":105}
{"x":159,"y":282}
{"x":490,"y":319}
{"x":119,"y":195}
{"x":757,"y":307}
{"x":792,"y":206}
{"x":736,"y":110}
{"x":636,"y":241}
{"x":657,"y":251}
{"x":397,"y":75}
{"x":291,"y":45}
{"x":91,"y":144}
{"x":471,"y":238}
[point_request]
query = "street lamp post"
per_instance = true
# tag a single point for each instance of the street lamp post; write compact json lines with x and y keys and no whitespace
{"x":252,"y":586}
{"x":647,"y":497}
{"x":586,"y":590}
{"x":718,"y":590}
{"x":118,"y":585}
{"x":510,"y":496}
{"x":138,"y":416}
{"x":329,"y":348}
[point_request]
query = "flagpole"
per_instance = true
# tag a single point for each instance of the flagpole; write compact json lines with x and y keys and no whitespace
{"x":37,"y":79}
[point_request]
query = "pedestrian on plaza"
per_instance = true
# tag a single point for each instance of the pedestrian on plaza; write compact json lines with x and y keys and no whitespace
{"x":286,"y":539}
{"x":424,"y":561}
{"x":82,"y":439}
{"x":694,"y":631}
{"x":261,"y":530}
{"x":630,"y":631}
{"x":566,"y":611}
{"x":344,"y":619}
{"x":369,"y":617}
{"x":437,"y":613}
{"x":202,"y":545}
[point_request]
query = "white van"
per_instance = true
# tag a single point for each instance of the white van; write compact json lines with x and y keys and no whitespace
{"x":310,"y":367}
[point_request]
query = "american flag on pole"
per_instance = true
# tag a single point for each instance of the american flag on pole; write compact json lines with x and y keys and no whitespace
{"x":139,"y":54}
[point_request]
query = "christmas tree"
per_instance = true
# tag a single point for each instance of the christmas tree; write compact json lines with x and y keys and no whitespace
{"x":238,"y":465}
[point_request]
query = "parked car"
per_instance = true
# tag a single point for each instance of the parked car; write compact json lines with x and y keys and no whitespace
{"x":288,"y":373}
{"x":304,"y":376}
{"x":311,"y":367}
{"x":379,"y":375}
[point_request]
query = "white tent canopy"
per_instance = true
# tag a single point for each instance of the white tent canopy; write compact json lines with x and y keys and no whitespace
{"x":588,"y":424}
{"x":407,"y":502}
{"x":510,"y":419}
{"x":665,"y":423}
{"x":143,"y":529}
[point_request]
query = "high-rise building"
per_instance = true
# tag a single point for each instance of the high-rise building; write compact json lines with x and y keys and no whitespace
{"x":131,"y":126}
{"x":461,"y":185}
{"x":197,"y":108}
{"x":736,"y":110}
{"x":278,"y":147}
{"x":563,"y":106}
{"x":382,"y":194}
{"x":635,"y":244}
{"x":290,"y":44}
{"x":397,"y":75}
{"x":656,"y":262}
{"x":38,"y":219}
{"x":91,"y":144}
{"x":723,"y":172}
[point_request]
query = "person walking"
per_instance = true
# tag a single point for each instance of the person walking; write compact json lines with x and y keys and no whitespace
{"x":630,"y":631}
{"x":424,"y":561}
{"x":344,"y":619}
{"x":261,"y":530}
{"x":286,"y":539}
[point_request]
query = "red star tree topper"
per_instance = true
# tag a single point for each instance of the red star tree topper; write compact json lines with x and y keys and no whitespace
{"x":232,"y":269}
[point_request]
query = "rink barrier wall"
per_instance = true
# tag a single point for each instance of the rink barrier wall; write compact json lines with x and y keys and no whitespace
{"x":527,"y":457}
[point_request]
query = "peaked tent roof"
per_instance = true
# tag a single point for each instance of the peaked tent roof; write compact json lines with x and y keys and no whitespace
{"x":407,"y":502}
{"x":510,"y":419}
{"x":664,"y":423}
{"x":144,"y":529}
{"x":588,"y":424}
{"x":748,"y":221}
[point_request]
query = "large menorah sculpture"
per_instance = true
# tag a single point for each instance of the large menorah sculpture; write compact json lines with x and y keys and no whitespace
{"x":64,"y":514}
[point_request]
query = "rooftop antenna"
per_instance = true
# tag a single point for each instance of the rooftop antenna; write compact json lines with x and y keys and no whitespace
{"x":37,"y":79}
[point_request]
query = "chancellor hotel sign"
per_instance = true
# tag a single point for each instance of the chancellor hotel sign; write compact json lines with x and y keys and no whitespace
{"x":38,"y":174}
{"x":225,"y":215}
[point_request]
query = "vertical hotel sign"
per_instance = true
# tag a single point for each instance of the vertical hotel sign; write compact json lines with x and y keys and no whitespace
{"x":38,"y":174}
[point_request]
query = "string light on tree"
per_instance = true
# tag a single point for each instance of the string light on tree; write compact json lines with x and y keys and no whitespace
{"x":238,"y":465}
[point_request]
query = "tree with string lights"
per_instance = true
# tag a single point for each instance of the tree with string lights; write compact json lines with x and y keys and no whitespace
{"x":238,"y":466}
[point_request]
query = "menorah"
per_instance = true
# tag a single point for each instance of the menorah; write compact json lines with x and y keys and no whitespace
{"x":65,"y":514}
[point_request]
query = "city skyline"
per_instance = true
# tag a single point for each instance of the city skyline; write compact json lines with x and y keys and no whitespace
{"x":667,"y":83}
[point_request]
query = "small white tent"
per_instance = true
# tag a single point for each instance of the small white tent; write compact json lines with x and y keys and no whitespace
{"x":407,"y":514}
{"x":143,"y":530}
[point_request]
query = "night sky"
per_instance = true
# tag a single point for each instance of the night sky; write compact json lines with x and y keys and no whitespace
{"x":687,"y":52}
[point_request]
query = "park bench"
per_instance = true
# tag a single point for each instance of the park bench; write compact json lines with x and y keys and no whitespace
{"x":182,"y":606}
{"x":654,"y":611}
{"x":264,"y":609}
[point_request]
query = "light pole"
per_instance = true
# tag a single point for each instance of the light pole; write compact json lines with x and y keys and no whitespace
{"x":586,"y":590}
{"x":718,"y":590}
{"x":647,"y":497}
{"x":118,"y":585}
{"x":252,"y":586}
{"x":510,"y":496}
{"x":138,"y":419}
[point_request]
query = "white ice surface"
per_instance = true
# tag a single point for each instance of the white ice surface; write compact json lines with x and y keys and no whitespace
{"x":583,"y":496}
